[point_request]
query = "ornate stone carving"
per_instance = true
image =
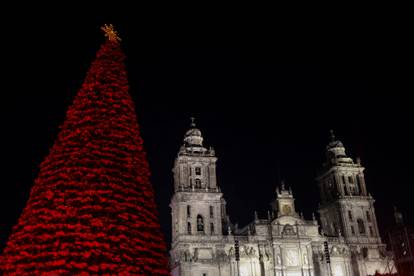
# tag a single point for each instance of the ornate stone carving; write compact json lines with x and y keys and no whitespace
{"x":288,"y":230}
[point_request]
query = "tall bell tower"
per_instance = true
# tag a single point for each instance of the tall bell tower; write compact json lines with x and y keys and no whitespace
{"x":347,"y":209}
{"x":197,"y":206}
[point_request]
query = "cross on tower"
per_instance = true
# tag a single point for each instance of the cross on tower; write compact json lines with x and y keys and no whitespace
{"x":332,"y":135}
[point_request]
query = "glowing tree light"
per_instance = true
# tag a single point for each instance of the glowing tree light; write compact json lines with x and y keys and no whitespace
{"x":91,"y":209}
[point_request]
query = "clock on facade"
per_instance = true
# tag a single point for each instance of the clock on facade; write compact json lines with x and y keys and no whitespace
{"x":286,"y":209}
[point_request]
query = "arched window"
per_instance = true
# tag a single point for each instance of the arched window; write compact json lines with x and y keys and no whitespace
{"x":211,"y":212}
{"x":361,"y":226}
{"x":188,"y":211}
{"x":200,"y":224}
{"x":352,"y":189}
{"x":350,"y":215}
{"x":198,"y":171}
{"x":198,"y":183}
{"x":212,"y":228}
{"x":189,"y":228}
{"x":365,"y":252}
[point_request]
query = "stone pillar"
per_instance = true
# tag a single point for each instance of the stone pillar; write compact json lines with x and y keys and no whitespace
{"x":212,"y":176}
{"x":363,"y":185}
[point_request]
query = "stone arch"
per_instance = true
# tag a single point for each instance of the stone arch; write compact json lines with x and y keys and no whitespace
{"x":361,"y":226}
{"x":200,"y":223}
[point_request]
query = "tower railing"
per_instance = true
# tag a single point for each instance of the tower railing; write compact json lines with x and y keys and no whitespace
{"x":201,"y":189}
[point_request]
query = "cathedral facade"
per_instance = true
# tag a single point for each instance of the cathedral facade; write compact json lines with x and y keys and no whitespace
{"x":205,"y":243}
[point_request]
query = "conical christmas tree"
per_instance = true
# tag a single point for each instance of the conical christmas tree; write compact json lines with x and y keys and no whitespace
{"x":91,"y":209}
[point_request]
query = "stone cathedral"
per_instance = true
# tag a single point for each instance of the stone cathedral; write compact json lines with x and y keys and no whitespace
{"x":345,"y":242}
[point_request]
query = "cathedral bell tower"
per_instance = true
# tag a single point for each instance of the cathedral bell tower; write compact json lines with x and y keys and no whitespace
{"x":347,"y":209}
{"x":198,"y":207}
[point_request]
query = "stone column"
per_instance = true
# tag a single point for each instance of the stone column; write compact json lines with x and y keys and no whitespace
{"x":362,"y":183}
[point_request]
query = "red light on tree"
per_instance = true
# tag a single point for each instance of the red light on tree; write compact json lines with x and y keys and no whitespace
{"x":91,"y":209}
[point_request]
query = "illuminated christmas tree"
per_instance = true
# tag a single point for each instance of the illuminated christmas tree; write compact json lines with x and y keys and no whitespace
{"x":91,"y":209}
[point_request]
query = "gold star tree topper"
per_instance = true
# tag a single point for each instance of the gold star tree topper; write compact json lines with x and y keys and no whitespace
{"x":110,"y":33}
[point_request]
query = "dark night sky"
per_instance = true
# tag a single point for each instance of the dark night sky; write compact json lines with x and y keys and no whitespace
{"x":265,"y":95}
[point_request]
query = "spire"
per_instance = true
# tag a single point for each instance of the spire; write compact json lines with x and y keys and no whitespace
{"x":91,"y":209}
{"x":334,"y":143}
{"x":332,"y":135}
{"x":193,"y":125}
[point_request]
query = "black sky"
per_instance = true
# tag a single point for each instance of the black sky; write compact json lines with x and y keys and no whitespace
{"x":265,"y":93}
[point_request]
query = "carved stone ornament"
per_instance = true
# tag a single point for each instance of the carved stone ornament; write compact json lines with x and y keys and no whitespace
{"x":288,"y":230}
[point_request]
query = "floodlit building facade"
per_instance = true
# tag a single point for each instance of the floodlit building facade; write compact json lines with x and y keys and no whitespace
{"x":284,"y":244}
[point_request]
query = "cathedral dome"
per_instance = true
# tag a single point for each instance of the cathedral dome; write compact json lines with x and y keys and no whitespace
{"x":335,"y":151}
{"x":335,"y":144}
{"x":193,"y":132}
{"x":193,"y":137}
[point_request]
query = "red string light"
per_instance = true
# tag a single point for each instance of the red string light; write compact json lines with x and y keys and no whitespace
{"x":91,"y":209}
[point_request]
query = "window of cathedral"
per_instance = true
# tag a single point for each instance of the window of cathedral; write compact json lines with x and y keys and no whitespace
{"x":200,"y":224}
{"x":211,"y":212}
{"x":365,"y":252}
{"x":188,"y":211}
{"x":189,"y":228}
{"x":198,"y":183}
{"x":361,"y":226}
{"x":368,"y":216}
{"x":212,"y":228}
{"x":350,"y":215}
{"x":350,"y":179}
{"x":352,"y":190}
{"x":198,"y":171}
{"x":352,"y":230}
{"x":288,"y":230}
